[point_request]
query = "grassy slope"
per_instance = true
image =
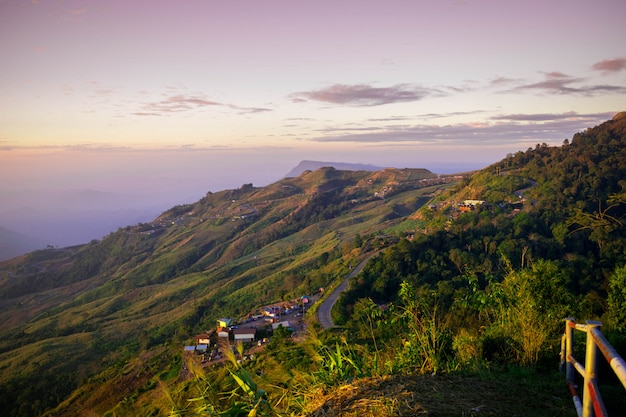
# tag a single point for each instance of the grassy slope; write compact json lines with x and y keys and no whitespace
{"x":79,"y":309}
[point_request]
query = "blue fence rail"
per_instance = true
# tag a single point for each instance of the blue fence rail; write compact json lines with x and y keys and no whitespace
{"x":592,"y":404}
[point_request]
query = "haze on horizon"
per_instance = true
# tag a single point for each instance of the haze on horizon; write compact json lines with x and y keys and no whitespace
{"x":132,"y":107}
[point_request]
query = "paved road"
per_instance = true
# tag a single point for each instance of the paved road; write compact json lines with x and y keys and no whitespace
{"x":323,"y":312}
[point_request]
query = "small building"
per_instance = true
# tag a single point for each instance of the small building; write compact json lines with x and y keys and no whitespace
{"x":285,"y":324}
{"x":244,"y":334}
{"x":203,"y":338}
{"x":225,"y":322}
{"x":223,"y":332}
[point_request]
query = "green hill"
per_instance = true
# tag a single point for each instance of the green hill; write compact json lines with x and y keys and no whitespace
{"x":473,"y":277}
{"x":67,"y":313}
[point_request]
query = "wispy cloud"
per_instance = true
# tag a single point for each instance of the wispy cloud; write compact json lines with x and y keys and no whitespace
{"x":426,"y":116}
{"x":184,"y":102}
{"x":560,"y":83}
{"x":174,"y":104}
{"x":542,"y":117}
{"x":502,"y":81}
{"x":78,"y":12}
{"x":610,"y":65}
{"x":249,"y":110}
{"x":497,"y":130}
{"x":75,"y":15}
{"x":367,"y":95}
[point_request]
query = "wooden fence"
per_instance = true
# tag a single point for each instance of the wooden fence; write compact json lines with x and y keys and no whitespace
{"x":592,"y":404}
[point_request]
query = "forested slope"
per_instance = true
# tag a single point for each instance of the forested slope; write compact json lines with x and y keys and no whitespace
{"x":547,"y":242}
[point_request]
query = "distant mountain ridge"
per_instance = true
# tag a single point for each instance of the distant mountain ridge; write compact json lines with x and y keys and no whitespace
{"x":14,"y":244}
{"x":343,"y":166}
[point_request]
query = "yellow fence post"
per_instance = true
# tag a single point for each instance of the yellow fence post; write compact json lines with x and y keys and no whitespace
{"x":569,"y":349}
{"x":591,"y":364}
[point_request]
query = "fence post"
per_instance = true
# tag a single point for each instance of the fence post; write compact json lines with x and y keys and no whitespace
{"x":591,"y":363}
{"x":569,"y":349}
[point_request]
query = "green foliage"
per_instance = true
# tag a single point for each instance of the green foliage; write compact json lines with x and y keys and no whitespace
{"x":427,"y":345}
{"x":341,"y":363}
{"x":247,"y":399}
{"x":617,"y":300}
{"x":291,"y":356}
{"x":35,"y":392}
{"x":532,"y":304}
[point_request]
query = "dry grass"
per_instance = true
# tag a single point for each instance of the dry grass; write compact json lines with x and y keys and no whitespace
{"x":441,"y":396}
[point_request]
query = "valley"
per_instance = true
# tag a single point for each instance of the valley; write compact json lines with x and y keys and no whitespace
{"x":449,"y":280}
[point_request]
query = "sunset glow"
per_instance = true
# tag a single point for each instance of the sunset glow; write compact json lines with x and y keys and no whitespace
{"x":255,"y":87}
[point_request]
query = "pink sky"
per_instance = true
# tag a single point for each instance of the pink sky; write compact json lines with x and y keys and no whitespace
{"x":103,"y":92}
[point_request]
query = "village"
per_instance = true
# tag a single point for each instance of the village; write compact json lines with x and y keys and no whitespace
{"x":254,"y":331}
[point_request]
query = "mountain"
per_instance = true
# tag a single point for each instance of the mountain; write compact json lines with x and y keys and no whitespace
{"x":314,"y":165}
{"x":467,"y":272}
{"x":13,"y":244}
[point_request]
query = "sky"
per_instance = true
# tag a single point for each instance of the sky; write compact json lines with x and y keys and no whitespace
{"x":166,"y":100}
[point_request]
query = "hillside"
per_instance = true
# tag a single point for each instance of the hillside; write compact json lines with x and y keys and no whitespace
{"x":232,"y":251}
{"x":469,"y":282}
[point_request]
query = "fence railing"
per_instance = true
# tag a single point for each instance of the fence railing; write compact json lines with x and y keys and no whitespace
{"x":592,"y":404}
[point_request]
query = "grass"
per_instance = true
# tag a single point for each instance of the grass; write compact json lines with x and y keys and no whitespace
{"x":510,"y":394}
{"x":141,"y":292}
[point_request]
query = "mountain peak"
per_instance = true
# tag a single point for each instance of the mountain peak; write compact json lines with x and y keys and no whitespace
{"x":307,"y":165}
{"x":619,"y":115}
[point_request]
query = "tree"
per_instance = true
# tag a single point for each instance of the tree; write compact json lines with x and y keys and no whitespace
{"x":533,"y":303}
{"x":617,"y":300}
{"x":358,"y":241}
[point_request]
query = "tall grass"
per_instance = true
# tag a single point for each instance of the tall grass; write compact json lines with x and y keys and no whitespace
{"x":241,"y":397}
{"x":428,"y":342}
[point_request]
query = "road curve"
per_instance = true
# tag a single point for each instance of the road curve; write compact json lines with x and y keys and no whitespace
{"x":323,"y":312}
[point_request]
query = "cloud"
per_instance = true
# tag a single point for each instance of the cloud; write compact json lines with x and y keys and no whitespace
{"x":426,"y":116}
{"x":75,"y":15}
{"x":174,"y":104}
{"x":541,"y":117}
{"x":559,"y":83}
{"x":556,"y":75}
{"x":391,"y":119}
{"x":183,"y":102}
{"x":499,"y":81}
{"x":499,"y":130}
{"x":366,"y":95}
{"x":610,"y":65}
{"x":144,"y":113}
{"x":249,"y":110}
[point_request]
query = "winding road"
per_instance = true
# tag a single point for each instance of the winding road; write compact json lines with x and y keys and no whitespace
{"x":323,"y":312}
